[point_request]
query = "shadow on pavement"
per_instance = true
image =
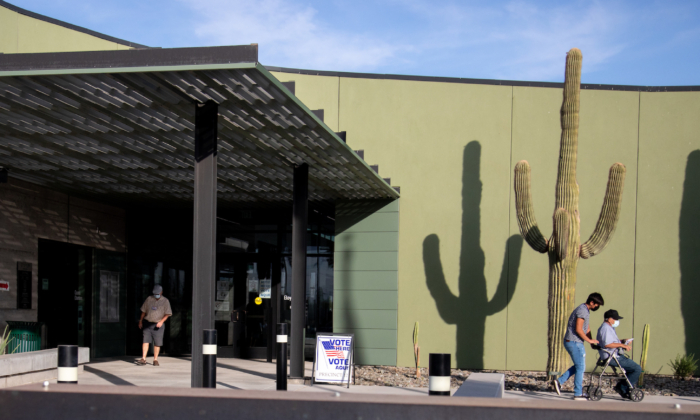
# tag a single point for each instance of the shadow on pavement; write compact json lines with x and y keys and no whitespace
{"x":113,"y":379}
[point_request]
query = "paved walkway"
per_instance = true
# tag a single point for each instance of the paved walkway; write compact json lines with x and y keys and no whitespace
{"x":260,"y":375}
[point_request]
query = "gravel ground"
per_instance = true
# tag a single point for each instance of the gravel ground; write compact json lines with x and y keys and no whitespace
{"x":520,"y":380}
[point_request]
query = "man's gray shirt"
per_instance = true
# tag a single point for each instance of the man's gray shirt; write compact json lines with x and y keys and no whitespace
{"x":582,"y":312}
{"x":606,"y":335}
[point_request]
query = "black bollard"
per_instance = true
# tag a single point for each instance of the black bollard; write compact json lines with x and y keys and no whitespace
{"x":439,"y":374}
{"x":67,"y":364}
{"x":209,"y":359}
{"x":282,"y":357}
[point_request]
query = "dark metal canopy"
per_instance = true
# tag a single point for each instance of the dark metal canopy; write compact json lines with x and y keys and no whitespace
{"x":119,"y":125}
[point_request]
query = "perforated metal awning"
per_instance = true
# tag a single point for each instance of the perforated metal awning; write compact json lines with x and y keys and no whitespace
{"x":120,"y":125}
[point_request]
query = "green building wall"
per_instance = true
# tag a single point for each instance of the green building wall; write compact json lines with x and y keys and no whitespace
{"x":365,"y":290}
{"x":476,"y":290}
{"x":20,"y":33}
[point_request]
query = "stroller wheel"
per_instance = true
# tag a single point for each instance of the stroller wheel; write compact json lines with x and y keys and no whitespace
{"x":595,"y":393}
{"x":636,"y":395}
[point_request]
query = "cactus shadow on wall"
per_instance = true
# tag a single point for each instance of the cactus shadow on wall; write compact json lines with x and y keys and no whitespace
{"x":689,"y":253}
{"x":469,"y":309}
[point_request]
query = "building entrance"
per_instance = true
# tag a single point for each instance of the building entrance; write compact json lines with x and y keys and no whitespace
{"x":82,"y":297}
{"x":65,"y":287}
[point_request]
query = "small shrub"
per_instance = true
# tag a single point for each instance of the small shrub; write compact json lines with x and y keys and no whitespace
{"x":684,"y":366}
{"x":5,"y":341}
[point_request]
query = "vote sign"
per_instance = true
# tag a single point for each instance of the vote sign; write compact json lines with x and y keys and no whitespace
{"x":333,"y":358}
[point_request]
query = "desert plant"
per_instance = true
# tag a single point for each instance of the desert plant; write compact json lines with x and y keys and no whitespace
{"x":564,"y":246}
{"x":684,"y":366}
{"x":5,"y":342}
{"x":645,"y":349}
{"x":416,"y":349}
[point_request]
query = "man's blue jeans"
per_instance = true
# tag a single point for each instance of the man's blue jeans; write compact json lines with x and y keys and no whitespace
{"x":632,"y":370}
{"x":578,"y":355}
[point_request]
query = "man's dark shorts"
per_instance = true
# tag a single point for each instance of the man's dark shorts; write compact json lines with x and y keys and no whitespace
{"x":153,"y":335}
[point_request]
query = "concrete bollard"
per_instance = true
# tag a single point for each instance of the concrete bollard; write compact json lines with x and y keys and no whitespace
{"x":282,"y":357}
{"x":439,"y":373}
{"x":67,"y":364}
{"x":209,"y":359}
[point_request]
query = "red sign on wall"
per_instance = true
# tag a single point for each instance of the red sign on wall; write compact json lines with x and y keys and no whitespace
{"x":4,"y":286}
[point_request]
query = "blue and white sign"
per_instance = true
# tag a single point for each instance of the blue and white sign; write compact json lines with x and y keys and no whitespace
{"x":333,"y":358}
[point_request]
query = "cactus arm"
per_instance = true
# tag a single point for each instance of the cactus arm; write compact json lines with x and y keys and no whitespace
{"x":562,"y":229}
{"x":609,"y":214}
{"x":525,"y":209}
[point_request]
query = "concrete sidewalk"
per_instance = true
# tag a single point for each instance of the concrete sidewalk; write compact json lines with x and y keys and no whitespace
{"x":242,"y":374}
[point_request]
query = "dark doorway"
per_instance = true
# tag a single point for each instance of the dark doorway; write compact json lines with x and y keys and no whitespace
{"x":65,"y":290}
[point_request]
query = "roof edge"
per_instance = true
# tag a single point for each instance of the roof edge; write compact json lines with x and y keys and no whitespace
{"x":439,"y":79}
{"x":69,"y":25}
{"x":120,"y":59}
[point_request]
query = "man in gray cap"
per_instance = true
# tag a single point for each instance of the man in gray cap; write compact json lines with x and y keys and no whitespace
{"x":156,"y":309}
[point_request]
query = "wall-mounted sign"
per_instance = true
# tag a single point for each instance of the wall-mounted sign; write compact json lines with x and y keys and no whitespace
{"x":221,"y":306}
{"x":253,"y":285}
{"x":333,"y":361}
{"x":266,"y":289}
{"x":4,"y":286}
{"x":24,"y":285}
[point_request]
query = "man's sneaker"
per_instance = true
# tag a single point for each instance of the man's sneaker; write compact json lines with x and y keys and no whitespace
{"x":141,"y":362}
{"x":555,"y":384}
{"x":155,"y":363}
{"x":580,"y":398}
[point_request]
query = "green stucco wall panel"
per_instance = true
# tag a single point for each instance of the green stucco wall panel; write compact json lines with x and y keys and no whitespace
{"x":23,"y":34}
{"x":366,"y":261}
{"x":364,"y":280}
{"x":380,"y":222}
{"x":668,"y":229}
{"x":366,"y":318}
{"x":368,"y":241}
{"x":8,"y":31}
{"x":365,"y":291}
{"x":364,"y":299}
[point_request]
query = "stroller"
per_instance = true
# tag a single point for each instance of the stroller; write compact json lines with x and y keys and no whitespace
{"x":595,"y":393}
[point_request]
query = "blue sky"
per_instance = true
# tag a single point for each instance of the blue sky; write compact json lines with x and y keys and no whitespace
{"x":623,"y":42}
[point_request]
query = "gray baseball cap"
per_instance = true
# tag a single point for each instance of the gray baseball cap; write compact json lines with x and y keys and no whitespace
{"x":157,"y":289}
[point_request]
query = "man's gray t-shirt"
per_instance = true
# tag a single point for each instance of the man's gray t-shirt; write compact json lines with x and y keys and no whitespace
{"x":606,"y":335}
{"x":582,"y":312}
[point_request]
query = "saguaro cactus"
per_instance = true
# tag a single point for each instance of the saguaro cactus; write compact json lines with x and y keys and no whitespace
{"x":564,"y":246}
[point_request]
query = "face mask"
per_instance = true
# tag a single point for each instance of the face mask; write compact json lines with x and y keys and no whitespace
{"x":157,"y":296}
{"x":616,"y":324}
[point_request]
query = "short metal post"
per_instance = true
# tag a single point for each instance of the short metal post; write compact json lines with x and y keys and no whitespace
{"x":282,"y":357}
{"x":67,"y":364}
{"x":209,"y":359}
{"x":439,"y":374}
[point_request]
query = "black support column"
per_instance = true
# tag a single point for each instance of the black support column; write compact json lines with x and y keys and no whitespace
{"x":204,"y":267}
{"x":299,"y":223}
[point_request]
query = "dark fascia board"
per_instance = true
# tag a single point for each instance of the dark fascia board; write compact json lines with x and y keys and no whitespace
{"x":588,"y":86}
{"x":154,"y":57}
{"x":69,"y":26}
